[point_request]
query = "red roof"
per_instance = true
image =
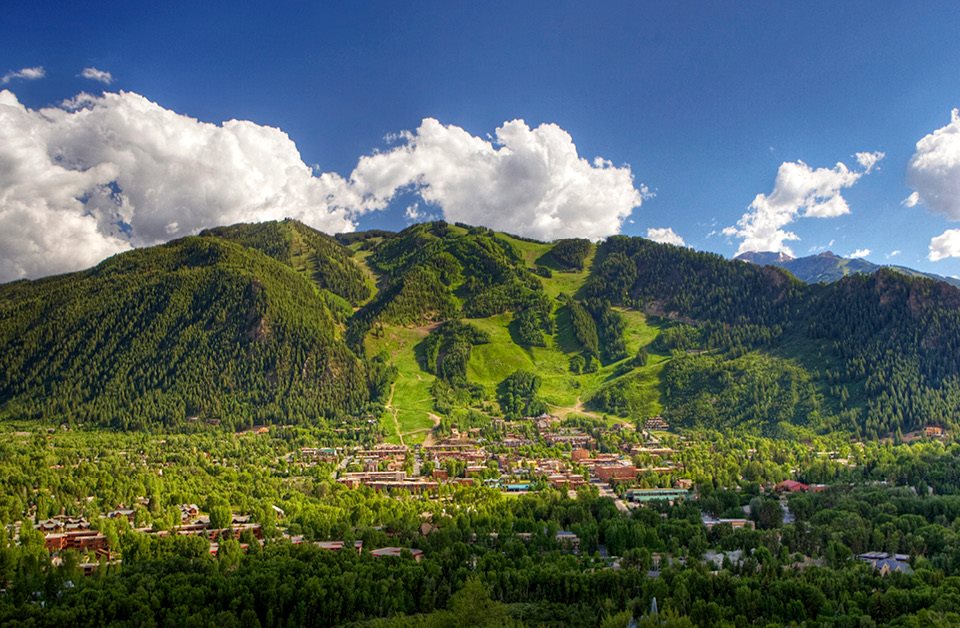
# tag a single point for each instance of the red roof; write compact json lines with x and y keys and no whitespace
{"x":793,"y":486}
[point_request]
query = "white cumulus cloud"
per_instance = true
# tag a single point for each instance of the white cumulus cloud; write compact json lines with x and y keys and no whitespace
{"x":101,"y":174}
{"x":945,"y":245}
{"x":665,"y":235}
{"x":528,"y":181}
{"x":27,"y":74}
{"x":859,"y":253}
{"x":799,"y":191}
{"x":934,"y":170}
{"x":94,"y":74}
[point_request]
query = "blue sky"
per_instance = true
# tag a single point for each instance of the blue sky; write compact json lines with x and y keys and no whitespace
{"x":703,"y":101}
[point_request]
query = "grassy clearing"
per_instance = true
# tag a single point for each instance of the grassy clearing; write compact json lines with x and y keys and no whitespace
{"x":411,"y":402}
{"x":561,"y":389}
{"x":361,"y":259}
{"x":410,"y":414}
{"x":562,"y":282}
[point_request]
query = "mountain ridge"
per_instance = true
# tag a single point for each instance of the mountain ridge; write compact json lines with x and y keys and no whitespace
{"x":827,"y":267}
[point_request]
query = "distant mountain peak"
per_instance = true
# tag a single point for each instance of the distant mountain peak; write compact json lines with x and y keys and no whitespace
{"x":827,"y":266}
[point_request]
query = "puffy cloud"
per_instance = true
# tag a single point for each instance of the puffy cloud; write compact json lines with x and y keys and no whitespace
{"x":799,"y":191}
{"x":911,"y":201}
{"x":934,"y":170}
{"x":894,"y":253}
{"x":94,"y":74}
{"x":869,"y":160}
{"x":665,"y":235}
{"x":98,"y":175}
{"x":27,"y":74}
{"x":531,"y":182}
{"x":860,"y":253}
{"x":945,"y":245}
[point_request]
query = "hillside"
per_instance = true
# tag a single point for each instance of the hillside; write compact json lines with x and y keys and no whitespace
{"x":450,"y":325}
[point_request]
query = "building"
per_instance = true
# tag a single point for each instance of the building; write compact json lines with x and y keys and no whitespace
{"x":616,"y":473}
{"x":573,"y":439}
{"x":125,"y":513}
{"x":579,"y":454}
{"x":792,"y":486}
{"x":933,"y":431}
{"x":736,"y":524}
{"x":656,"y":423}
{"x":397,"y":552}
{"x":80,"y":540}
{"x":642,"y":495}
{"x":887,"y":563}
{"x":657,"y":452}
{"x":568,"y":540}
{"x":566,"y":480}
{"x":62,"y":523}
{"x":336,"y":546}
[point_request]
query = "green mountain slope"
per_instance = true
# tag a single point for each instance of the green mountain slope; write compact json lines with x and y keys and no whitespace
{"x":200,"y":326}
{"x":314,"y":255}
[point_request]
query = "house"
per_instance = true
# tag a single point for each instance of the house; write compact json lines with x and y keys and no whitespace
{"x":716,"y":559}
{"x":887,"y":563}
{"x":792,"y":486}
{"x":126,"y":513}
{"x":336,"y":546}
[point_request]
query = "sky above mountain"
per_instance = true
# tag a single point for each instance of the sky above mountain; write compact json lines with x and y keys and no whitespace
{"x":729,"y":128}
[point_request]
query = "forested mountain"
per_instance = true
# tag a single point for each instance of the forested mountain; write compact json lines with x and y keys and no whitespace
{"x":276,"y":322}
{"x":197,"y":327}
{"x":827,"y":267}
